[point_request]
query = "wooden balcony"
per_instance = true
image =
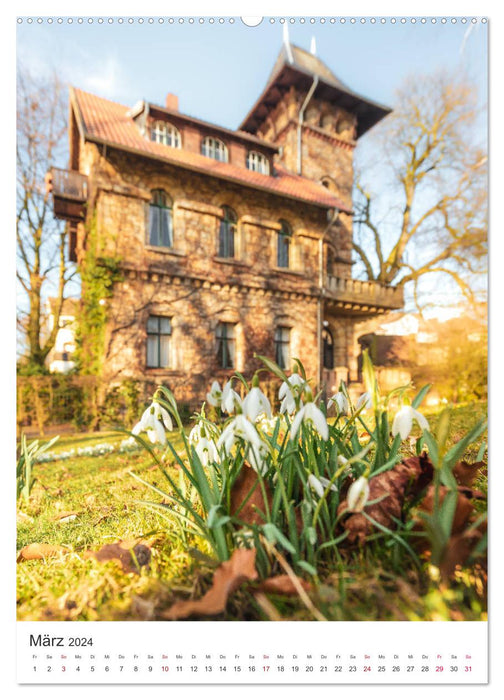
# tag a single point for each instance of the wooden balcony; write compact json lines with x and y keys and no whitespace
{"x":361,"y":297}
{"x":70,"y":192}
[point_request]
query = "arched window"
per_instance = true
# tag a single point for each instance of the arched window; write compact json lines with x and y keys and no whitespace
{"x":160,"y":219}
{"x":214,"y":148}
{"x":227,"y":231}
{"x":162,"y":132}
{"x":257,"y":162}
{"x":283,"y":245}
{"x":328,"y":349}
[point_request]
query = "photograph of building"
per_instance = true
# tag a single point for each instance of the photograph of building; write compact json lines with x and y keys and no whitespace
{"x":229,"y":243}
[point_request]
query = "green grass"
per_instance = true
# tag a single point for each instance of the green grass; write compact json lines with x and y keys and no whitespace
{"x":377,"y":582}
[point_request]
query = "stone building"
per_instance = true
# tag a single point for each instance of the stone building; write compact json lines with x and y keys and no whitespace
{"x":231,"y":243}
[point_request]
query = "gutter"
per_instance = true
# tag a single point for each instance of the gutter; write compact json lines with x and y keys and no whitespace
{"x":301,"y":119}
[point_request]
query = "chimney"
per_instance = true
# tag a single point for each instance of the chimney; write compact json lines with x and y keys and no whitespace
{"x":172,"y":102}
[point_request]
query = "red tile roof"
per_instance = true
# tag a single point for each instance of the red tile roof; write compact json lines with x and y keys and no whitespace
{"x":108,"y":122}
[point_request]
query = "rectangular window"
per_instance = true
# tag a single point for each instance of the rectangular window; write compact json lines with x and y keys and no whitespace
{"x":158,"y":341}
{"x":282,"y":347}
{"x":226,"y":345}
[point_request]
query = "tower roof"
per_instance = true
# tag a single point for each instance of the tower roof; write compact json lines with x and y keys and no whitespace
{"x":295,"y":66}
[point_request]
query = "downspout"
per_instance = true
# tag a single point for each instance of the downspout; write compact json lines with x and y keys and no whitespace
{"x":332,"y":217}
{"x":301,"y":119}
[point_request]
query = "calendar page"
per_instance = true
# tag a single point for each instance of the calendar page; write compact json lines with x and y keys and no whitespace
{"x":251,"y":395}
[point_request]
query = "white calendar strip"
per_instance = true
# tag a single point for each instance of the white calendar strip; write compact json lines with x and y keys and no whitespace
{"x":252,"y":652}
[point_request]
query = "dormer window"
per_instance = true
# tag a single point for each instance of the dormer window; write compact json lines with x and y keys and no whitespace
{"x":167,"y":134}
{"x":214,"y":148}
{"x":257,"y":162}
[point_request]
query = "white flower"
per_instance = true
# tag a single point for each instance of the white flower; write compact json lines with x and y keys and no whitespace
{"x":342,"y":460}
{"x":403,"y":421}
{"x":286,"y":395}
{"x":256,"y":455}
{"x":320,"y":484}
{"x":256,"y":403}
{"x":341,"y":402}
{"x":214,"y":396}
{"x":206,"y":451}
{"x":364,"y":401}
{"x":239,"y":427}
{"x":310,"y":413}
{"x":154,"y":420}
{"x":358,"y":494}
{"x":230,"y":399}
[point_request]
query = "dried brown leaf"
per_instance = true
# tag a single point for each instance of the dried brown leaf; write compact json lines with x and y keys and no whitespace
{"x":66,"y":516}
{"x":131,"y":554}
{"x":392,"y":487}
{"x":41,"y":551}
{"x":248,"y":482}
{"x":465,"y":473}
{"x":282,"y":585}
{"x":458,"y":550}
{"x":227,"y":578}
{"x":463,"y":510}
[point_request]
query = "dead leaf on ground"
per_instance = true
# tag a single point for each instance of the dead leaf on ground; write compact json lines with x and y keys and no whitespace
{"x":66,"y":516}
{"x":227,"y":578}
{"x":131,"y":554}
{"x":465,"y":473}
{"x":41,"y":551}
{"x":392,"y":487}
{"x":248,"y":482}
{"x":282,"y":585}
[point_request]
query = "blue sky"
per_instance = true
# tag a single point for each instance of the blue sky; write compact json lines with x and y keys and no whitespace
{"x":219,"y":70}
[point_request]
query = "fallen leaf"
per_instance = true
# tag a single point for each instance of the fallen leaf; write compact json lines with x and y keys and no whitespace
{"x":227,"y":578}
{"x":458,"y":550}
{"x":282,"y":585}
{"x":392,"y":487}
{"x":66,"y":516}
{"x":463,"y":509}
{"x":247,"y":483}
{"x":465,"y":473}
{"x":132,"y":554}
{"x":41,"y":551}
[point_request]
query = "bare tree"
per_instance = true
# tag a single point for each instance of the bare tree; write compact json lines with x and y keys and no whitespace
{"x":42,"y":267}
{"x":432,"y":218}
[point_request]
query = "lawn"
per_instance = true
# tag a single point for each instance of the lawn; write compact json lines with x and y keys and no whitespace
{"x":83,"y":503}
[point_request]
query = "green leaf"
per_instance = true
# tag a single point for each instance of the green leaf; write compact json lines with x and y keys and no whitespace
{"x":420,"y":396}
{"x":456,"y":452}
{"x":432,"y":447}
{"x":273,"y":535}
{"x":307,"y":567}
{"x":447,"y":513}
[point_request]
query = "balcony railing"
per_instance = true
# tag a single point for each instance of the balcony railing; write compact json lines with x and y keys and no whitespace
{"x":70,"y":192}
{"x":362,"y":295}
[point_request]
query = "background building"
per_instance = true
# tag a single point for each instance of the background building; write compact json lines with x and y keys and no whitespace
{"x":229,"y":243}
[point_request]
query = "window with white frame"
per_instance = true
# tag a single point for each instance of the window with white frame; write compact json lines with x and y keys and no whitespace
{"x":159,"y":331}
{"x":161,"y":219}
{"x":283,"y":245}
{"x":282,"y":347}
{"x":214,"y":148}
{"x":226,"y":345}
{"x":167,"y":134}
{"x":257,"y":162}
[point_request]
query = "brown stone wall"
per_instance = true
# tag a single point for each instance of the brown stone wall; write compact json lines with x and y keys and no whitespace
{"x":195,"y":308}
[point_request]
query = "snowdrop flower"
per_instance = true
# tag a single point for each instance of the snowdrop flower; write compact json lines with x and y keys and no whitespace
{"x":257,"y":457}
{"x":341,"y":402}
{"x":403,"y":421}
{"x":154,"y":420}
{"x":239,"y":427}
{"x":364,"y":401}
{"x":206,"y":451}
{"x":286,"y":395}
{"x":310,"y":413}
{"x":320,"y":484}
{"x":358,"y":494}
{"x":256,"y":403}
{"x":214,"y":396}
{"x":230,"y":399}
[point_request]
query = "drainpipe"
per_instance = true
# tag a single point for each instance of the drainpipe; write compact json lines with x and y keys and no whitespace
{"x":301,"y":118}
